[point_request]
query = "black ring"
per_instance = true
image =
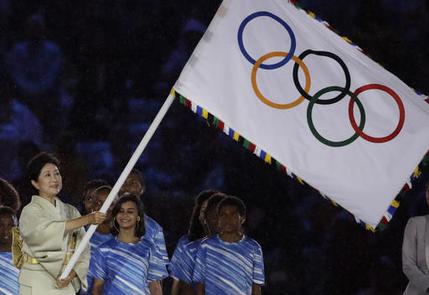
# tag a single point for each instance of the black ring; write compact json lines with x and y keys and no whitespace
{"x":340,"y":62}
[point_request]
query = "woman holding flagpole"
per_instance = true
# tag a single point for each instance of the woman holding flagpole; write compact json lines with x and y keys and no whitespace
{"x":50,"y":231}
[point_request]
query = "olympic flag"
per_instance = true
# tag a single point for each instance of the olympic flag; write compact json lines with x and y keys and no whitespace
{"x":312,"y":100}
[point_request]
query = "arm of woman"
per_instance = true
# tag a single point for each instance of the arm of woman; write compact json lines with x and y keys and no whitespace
{"x":92,"y":218}
{"x":175,"y":288}
{"x":155,"y":288}
{"x":200,"y":289}
{"x":97,"y":287}
{"x":256,"y":289}
{"x":65,"y":282}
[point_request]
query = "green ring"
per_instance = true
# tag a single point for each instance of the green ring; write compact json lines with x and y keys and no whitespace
{"x":310,"y":119}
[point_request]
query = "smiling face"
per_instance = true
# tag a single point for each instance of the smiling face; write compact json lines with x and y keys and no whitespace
{"x":49,"y":182}
{"x":128,"y":216}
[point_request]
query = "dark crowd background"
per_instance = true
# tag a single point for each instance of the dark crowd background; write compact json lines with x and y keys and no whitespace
{"x":84,"y":79}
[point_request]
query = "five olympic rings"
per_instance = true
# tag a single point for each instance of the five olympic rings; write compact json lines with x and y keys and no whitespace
{"x":315,"y":99}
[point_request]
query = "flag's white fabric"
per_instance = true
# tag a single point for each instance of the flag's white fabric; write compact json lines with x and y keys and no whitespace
{"x":363,"y":174}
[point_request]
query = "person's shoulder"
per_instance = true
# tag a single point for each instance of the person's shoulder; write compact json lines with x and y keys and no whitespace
{"x":150,"y":222}
{"x":252,"y":243}
{"x":111,"y":243}
{"x":146,"y":242}
{"x":32,"y":206}
{"x":209,"y":241}
{"x":418,"y":219}
{"x":184,"y":240}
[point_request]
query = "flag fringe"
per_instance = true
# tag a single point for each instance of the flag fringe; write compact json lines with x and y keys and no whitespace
{"x":217,"y":123}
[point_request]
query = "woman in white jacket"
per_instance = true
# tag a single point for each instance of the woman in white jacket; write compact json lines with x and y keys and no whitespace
{"x":415,"y":253}
{"x":51,"y":230}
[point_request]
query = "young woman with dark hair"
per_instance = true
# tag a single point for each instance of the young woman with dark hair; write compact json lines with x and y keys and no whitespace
{"x":129,"y":263}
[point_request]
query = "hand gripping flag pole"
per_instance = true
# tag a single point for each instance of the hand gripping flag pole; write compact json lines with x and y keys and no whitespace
{"x":133,"y":160}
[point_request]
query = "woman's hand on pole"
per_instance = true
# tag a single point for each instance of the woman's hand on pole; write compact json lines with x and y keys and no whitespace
{"x":96,"y":217}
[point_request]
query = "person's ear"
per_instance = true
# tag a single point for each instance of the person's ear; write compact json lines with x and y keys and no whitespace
{"x":35,"y":185}
{"x":242,"y":220}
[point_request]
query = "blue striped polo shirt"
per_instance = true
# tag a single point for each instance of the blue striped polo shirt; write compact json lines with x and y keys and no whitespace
{"x":183,"y":260}
{"x":128,"y":268}
{"x":9,"y":275}
{"x":229,"y":268}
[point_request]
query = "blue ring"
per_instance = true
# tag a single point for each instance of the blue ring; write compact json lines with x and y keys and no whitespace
{"x":291,"y":51}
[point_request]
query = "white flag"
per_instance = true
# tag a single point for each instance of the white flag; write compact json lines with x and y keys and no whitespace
{"x":313,"y":101}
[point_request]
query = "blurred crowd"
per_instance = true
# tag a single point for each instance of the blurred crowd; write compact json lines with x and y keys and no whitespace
{"x":84,"y":79}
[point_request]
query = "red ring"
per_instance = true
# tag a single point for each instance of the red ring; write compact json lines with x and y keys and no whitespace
{"x":401,"y":113}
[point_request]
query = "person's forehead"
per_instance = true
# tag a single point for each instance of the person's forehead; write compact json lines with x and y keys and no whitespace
{"x":102,"y":195}
{"x":229,"y":208}
{"x":49,"y":167}
{"x":128,"y":205}
{"x":6,"y":218}
{"x":133,"y":176}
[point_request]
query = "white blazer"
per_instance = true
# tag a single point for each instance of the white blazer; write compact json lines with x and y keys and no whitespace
{"x":415,"y":255}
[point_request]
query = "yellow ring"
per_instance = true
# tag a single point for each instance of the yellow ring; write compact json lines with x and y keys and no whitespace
{"x":266,"y":100}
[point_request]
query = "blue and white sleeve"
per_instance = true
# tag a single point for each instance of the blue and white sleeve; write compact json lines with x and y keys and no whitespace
{"x":157,"y":268}
{"x":99,"y":265}
{"x":199,"y":274}
{"x":258,"y":266}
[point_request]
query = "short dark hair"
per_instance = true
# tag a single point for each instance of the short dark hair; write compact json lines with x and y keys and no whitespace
{"x":36,"y":164}
{"x":127,"y":197}
{"x":103,"y":188}
{"x":106,"y":188}
{"x":92,"y":185}
{"x":8,"y":195}
{"x":234,"y":202}
{"x":139,"y":176}
{"x":4,"y":210}
{"x":213,"y":202}
{"x":196,"y":229}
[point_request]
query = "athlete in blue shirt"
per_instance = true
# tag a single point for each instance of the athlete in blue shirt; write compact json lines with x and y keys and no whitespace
{"x":135,"y":184}
{"x":182,"y":263}
{"x":103,"y":232}
{"x":229,"y":263}
{"x":9,"y":273}
{"x":129,"y":263}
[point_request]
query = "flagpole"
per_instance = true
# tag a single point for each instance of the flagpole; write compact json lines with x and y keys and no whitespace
{"x":133,"y":160}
